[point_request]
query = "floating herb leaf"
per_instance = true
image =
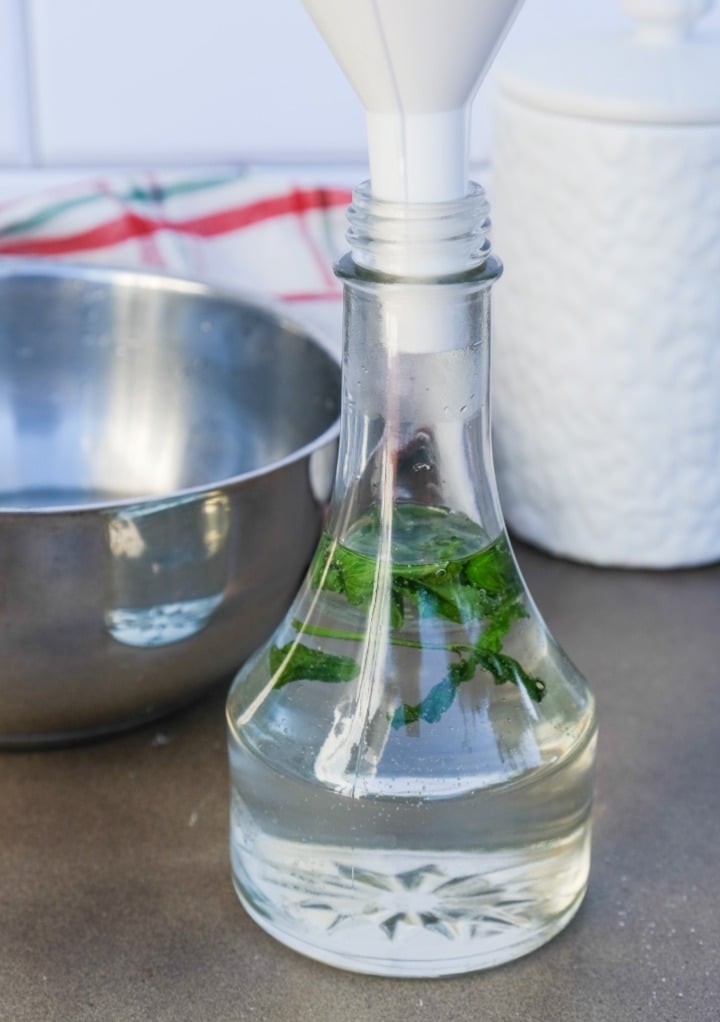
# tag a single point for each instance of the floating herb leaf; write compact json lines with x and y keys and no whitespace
{"x":296,"y":662}
{"x":502,"y":668}
{"x":433,"y":573}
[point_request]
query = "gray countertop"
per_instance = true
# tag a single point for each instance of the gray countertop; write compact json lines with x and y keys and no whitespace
{"x":115,"y":895}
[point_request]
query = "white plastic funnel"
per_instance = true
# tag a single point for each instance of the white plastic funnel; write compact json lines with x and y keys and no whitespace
{"x":416,"y":65}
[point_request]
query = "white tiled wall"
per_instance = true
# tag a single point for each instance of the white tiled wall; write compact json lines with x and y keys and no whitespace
{"x":15,"y":120}
{"x":113,"y":82}
{"x":180,"y":80}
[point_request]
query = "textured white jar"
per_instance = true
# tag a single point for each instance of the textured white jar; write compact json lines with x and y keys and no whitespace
{"x":606,"y":373}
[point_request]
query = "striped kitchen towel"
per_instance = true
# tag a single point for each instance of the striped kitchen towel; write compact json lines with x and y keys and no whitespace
{"x":252,"y":231}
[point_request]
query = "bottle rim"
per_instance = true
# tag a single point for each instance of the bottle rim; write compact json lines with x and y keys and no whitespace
{"x":439,"y":241}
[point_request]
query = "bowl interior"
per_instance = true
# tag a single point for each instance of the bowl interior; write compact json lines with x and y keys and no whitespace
{"x":122,"y":385}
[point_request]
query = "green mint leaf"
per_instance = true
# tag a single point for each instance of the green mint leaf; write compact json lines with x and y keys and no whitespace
{"x":325,"y":573}
{"x":436,"y":572}
{"x":295,"y":662}
{"x":438,"y":700}
{"x":397,"y":608}
{"x":498,"y":625}
{"x":493,"y":571}
{"x":434,"y":603}
{"x":358,"y":576}
{"x":505,"y":669}
{"x":435,"y":598}
{"x":431,"y":570}
{"x":462,"y":670}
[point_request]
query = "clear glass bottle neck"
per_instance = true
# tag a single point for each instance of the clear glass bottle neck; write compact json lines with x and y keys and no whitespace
{"x":416,"y":422}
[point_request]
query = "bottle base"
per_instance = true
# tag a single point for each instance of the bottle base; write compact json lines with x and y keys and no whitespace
{"x":421,"y":968}
{"x":422,"y":919}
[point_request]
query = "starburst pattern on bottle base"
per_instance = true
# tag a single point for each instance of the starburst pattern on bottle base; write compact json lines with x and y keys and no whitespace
{"x":424,"y":897}
{"x":340,"y":899}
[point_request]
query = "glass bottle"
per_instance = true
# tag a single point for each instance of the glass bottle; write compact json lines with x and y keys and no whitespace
{"x":411,"y":752}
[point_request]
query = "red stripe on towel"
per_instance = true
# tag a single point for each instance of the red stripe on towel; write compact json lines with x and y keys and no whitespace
{"x":132,"y":225}
{"x":310,"y":296}
{"x":297,"y":202}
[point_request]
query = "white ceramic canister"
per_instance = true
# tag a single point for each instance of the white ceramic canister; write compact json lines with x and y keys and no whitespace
{"x":606,"y":212}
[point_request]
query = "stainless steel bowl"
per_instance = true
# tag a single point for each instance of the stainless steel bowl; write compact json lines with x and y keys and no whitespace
{"x":165,"y":454}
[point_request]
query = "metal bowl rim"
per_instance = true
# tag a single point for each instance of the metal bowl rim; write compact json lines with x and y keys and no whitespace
{"x":19,"y":267}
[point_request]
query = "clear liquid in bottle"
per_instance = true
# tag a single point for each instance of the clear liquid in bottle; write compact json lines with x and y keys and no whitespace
{"x":437,"y":821}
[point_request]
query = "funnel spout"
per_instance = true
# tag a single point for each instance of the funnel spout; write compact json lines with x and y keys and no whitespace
{"x":404,"y":155}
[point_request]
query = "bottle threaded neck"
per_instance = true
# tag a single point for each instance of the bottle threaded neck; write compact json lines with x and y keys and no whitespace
{"x":419,"y":240}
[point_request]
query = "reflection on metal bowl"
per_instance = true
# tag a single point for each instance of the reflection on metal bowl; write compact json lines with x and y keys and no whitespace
{"x":166,"y":451}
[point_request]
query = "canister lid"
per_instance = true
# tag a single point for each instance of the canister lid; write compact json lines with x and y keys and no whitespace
{"x":666,"y":70}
